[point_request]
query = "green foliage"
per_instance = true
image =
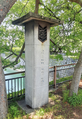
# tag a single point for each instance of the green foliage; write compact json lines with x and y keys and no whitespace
{"x":65,"y":95}
{"x":40,"y":112}
{"x":14,"y":110}
{"x":52,"y":57}
{"x":57,"y":57}
{"x":13,"y":94}
{"x":12,"y":37}
{"x":66,"y":37}
{"x":73,"y":100}
{"x":74,"y":57}
{"x":64,"y":79}
{"x":61,"y":80}
{"x":76,"y":99}
{"x":51,"y":82}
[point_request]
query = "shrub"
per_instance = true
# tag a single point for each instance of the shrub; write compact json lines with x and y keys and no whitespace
{"x":73,"y":100}
{"x":40,"y":112}
{"x":65,"y":95}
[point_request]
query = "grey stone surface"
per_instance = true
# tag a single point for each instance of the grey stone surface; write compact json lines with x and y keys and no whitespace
{"x":36,"y":57}
{"x":25,"y":107}
{"x":37,"y":65}
{"x":32,"y":16}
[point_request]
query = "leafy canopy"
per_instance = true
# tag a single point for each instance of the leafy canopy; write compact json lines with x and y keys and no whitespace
{"x":66,"y":37}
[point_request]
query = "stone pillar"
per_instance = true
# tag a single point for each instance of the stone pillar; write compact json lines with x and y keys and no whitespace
{"x":37,"y":64}
{"x":37,"y":32}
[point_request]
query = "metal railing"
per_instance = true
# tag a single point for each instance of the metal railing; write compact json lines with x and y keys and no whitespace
{"x":16,"y":86}
{"x":55,"y":71}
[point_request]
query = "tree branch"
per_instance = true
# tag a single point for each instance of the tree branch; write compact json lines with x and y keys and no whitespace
{"x":20,"y":52}
{"x":50,"y":11}
{"x":37,"y":6}
{"x":18,"y":56}
{"x":59,"y":48}
{"x":24,"y":7}
{"x":5,"y":8}
{"x":8,"y":56}
{"x":77,"y":1}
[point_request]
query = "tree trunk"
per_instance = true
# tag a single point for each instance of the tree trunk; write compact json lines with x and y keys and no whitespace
{"x":37,"y":6}
{"x":77,"y":1}
{"x":76,"y":76}
{"x":5,"y":6}
{"x":3,"y":95}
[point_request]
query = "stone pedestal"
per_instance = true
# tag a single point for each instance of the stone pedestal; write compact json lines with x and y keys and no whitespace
{"x":37,"y":37}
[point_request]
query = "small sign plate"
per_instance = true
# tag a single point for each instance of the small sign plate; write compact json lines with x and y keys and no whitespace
{"x":42,"y":33}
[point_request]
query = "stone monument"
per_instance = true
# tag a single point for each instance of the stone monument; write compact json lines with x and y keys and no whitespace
{"x":37,"y":38}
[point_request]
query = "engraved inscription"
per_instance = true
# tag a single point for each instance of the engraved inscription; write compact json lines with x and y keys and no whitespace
{"x":42,"y":59}
{"x":42,"y":33}
{"x":42,"y":67}
{"x":42,"y":75}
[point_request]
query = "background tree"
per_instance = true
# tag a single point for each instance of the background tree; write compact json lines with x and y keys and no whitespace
{"x":11,"y":35}
{"x":4,"y":8}
{"x":78,"y":67}
{"x":62,"y":37}
{"x":65,"y":38}
{"x":77,"y":1}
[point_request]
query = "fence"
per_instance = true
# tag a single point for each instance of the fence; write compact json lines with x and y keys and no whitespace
{"x":16,"y":86}
{"x":55,"y":71}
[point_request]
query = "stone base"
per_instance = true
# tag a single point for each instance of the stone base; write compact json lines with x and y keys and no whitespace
{"x":30,"y":110}
{"x":25,"y":107}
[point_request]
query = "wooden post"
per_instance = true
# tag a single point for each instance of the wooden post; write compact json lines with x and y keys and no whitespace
{"x":55,"y":76}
